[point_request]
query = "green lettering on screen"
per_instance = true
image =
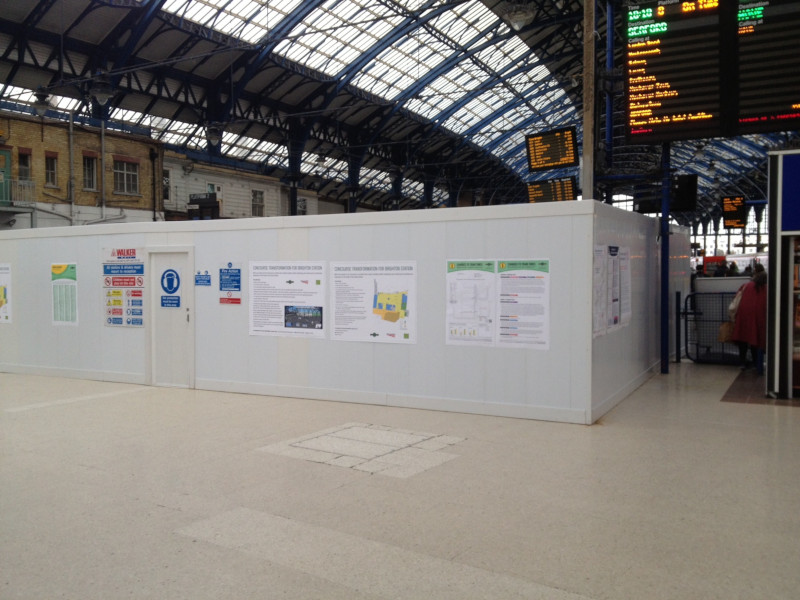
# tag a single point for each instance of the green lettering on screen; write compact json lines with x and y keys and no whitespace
{"x":646,"y":29}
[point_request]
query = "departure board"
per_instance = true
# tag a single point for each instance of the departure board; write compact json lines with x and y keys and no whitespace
{"x":734,"y":212}
{"x":552,"y":149}
{"x":711,"y":68}
{"x":552,"y":190}
{"x":673,"y":70}
{"x":769,"y":59}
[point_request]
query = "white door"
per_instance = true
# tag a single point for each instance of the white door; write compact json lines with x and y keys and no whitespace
{"x":172,"y":329}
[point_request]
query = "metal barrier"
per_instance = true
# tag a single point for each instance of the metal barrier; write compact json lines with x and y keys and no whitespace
{"x":704,"y":313}
{"x":17,"y":192}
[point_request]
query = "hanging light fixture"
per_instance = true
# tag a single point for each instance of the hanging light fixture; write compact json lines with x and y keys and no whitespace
{"x":101,"y":88}
{"x":41,"y":105}
{"x":519,"y":14}
{"x":214,"y":135}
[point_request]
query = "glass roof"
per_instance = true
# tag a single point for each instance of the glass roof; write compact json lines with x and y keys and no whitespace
{"x":247,"y":20}
{"x":454,"y":63}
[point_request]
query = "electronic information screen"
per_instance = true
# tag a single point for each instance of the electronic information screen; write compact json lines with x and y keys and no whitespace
{"x":709,"y":68}
{"x":552,"y":190}
{"x":673,"y":70}
{"x":552,"y":149}
{"x":769,"y":59}
{"x":734,"y":212}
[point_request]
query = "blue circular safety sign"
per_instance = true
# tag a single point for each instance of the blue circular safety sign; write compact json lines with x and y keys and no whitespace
{"x":170,"y":281}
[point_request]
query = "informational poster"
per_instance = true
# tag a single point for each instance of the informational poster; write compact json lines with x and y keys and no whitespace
{"x":288,"y":299}
{"x":230,"y":284}
{"x":64,"y":282}
{"x":523,"y":307}
{"x":611,"y":290}
{"x":625,"y":304}
{"x":375,"y":301}
{"x":471,"y":302}
{"x":599,"y":295}
{"x":5,"y":293}
{"x":123,"y":287}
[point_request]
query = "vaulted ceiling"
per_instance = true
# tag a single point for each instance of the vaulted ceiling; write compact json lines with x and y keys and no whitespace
{"x":383,"y":103}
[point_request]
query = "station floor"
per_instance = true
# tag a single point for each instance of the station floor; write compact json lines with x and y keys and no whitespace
{"x":687,"y":490}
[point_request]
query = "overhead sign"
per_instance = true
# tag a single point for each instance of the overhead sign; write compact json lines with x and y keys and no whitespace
{"x":552,"y":190}
{"x":707,"y":68}
{"x":207,"y":199}
{"x":552,"y":149}
{"x":734,"y":212}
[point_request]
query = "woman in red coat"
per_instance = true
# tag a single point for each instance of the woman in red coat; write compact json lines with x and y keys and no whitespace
{"x":750,"y":324}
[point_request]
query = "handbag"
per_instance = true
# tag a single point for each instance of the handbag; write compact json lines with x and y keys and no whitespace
{"x":725,"y":332}
{"x":734,"y":305}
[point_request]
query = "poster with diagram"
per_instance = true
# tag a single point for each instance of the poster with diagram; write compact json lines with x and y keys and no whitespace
{"x":288,"y":299}
{"x":5,"y":293}
{"x":502,"y":303}
{"x":64,"y":284}
{"x":471,"y":302}
{"x":374,"y":301}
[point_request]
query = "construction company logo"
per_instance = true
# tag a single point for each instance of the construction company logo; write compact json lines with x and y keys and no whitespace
{"x":123,"y":254}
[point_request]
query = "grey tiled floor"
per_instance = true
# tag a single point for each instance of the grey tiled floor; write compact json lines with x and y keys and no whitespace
{"x":120,"y":491}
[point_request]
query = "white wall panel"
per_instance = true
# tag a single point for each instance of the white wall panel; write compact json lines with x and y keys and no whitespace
{"x":624,"y":358}
{"x":575,"y":376}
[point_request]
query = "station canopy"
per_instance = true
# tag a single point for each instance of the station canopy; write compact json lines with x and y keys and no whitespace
{"x":387,"y":104}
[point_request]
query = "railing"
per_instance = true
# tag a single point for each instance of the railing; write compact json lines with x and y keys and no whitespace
{"x":704,"y":313}
{"x":17,"y":192}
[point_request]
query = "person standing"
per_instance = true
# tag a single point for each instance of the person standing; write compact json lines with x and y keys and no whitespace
{"x":750,"y":323}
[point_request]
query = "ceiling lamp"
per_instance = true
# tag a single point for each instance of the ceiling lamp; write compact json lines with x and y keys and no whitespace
{"x":41,"y":105}
{"x":213,"y":135}
{"x":101,"y":88}
{"x":519,"y":15}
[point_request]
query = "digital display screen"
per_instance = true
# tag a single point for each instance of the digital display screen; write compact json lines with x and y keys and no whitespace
{"x":709,"y":68}
{"x":673,"y":70}
{"x":769,"y":55}
{"x":734,"y":212}
{"x":552,"y":149}
{"x":552,"y":190}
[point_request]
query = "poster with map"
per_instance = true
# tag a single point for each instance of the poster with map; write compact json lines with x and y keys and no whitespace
{"x":375,"y":301}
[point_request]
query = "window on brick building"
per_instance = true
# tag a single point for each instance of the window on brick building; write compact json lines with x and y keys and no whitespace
{"x":51,"y":171}
{"x":258,"y":202}
{"x":165,"y":183}
{"x":25,"y":167}
{"x":126,"y":177}
{"x":89,"y":173}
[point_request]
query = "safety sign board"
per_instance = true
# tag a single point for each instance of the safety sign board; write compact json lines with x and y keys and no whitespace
{"x":171,"y":285}
{"x":123,"y":287}
{"x":230,"y":284}
{"x":202,"y":279}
